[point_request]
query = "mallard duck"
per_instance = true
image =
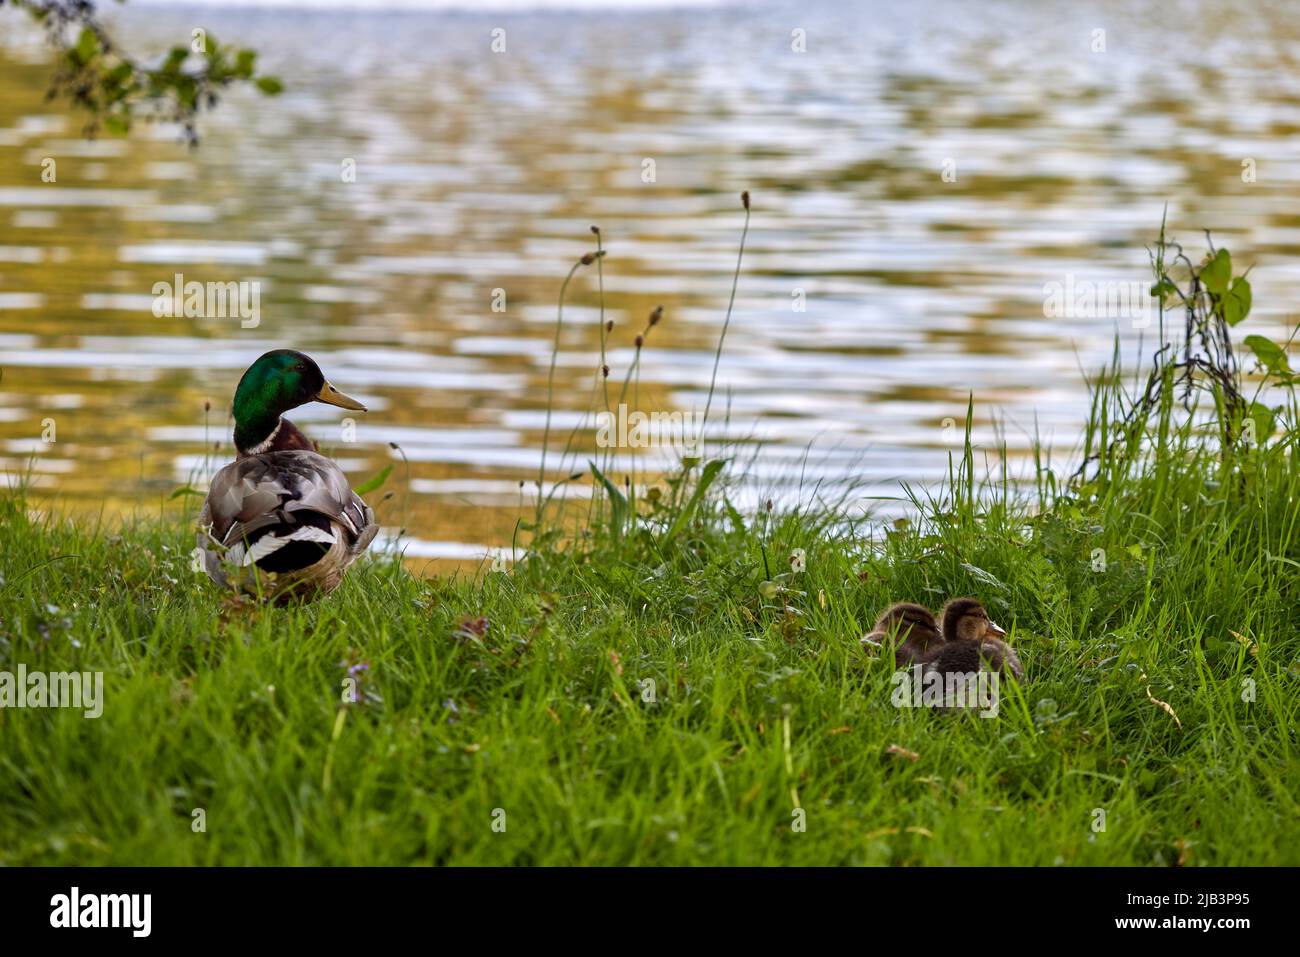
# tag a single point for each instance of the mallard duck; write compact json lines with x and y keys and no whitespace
{"x":912,"y":626}
{"x":972,"y":642}
{"x":281,"y":520}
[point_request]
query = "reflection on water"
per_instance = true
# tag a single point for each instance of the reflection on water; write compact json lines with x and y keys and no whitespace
{"x":478,"y":175}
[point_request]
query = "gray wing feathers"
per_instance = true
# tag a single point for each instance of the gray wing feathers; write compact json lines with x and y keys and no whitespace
{"x":250,"y":493}
{"x":260,"y":490}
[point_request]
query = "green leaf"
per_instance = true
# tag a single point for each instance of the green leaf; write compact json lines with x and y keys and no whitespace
{"x":1135,"y":551}
{"x":1165,"y":287}
{"x":733,"y":515}
{"x":1217,"y":272}
{"x":117,"y":123}
{"x":1264,"y":418}
{"x":1236,"y":304}
{"x":187,"y":91}
{"x":617,"y":502}
{"x":184,"y":490}
{"x":119,"y":74}
{"x":244,"y":63}
{"x":707,"y":477}
{"x":371,"y":484}
{"x":175,"y":57}
{"x":983,"y":577}
{"x":269,"y":85}
{"x":87,"y":45}
{"x":1269,"y":353}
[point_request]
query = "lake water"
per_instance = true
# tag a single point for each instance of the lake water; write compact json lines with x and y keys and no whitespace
{"x":922,"y":174}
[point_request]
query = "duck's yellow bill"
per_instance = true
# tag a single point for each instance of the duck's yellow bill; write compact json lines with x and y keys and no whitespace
{"x":332,"y":396}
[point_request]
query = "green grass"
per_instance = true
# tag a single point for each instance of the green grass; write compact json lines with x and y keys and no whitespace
{"x":764,"y":699}
{"x":238,"y":710}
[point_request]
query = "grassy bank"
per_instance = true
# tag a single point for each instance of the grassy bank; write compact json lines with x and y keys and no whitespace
{"x":509,"y":718}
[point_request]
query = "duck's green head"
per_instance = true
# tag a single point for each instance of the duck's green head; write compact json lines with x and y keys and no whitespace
{"x":274,"y":384}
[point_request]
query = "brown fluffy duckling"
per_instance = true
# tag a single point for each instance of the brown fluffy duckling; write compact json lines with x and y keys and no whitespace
{"x":913,"y":627}
{"x":972,"y":642}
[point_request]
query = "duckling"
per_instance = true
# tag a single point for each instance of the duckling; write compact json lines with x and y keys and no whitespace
{"x":913,"y":626}
{"x":281,"y":520}
{"x":972,"y":642}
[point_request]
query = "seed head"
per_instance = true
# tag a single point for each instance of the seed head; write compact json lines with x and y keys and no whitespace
{"x":605,"y":371}
{"x":639,"y":341}
{"x":656,"y":314}
{"x":744,"y":198}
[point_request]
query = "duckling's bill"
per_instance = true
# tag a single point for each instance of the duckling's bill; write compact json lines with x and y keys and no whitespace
{"x":332,"y":396}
